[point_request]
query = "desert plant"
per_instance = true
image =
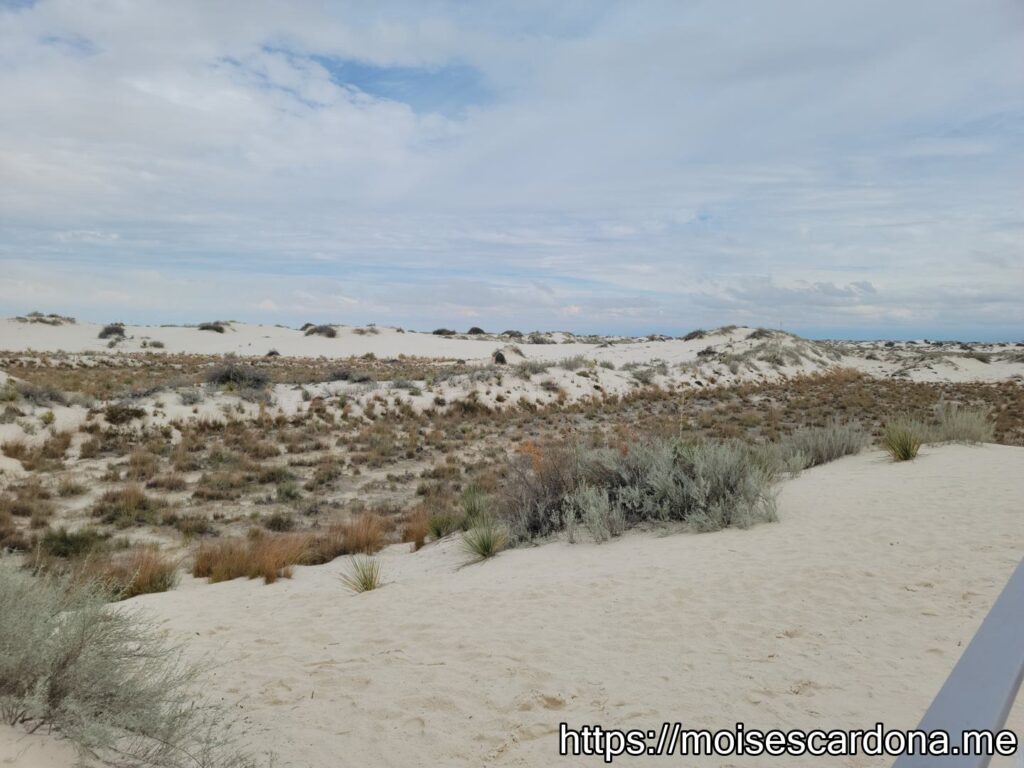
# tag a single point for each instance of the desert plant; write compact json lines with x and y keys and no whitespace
{"x":236,"y":375}
{"x":69,"y":487}
{"x":363,"y":576}
{"x":137,"y":572}
{"x":107,"y":680}
{"x":265,"y":556}
{"x":127,"y":506}
{"x":216,"y":326}
{"x":112,"y":330}
{"x":902,"y":438}
{"x":958,"y":423}
{"x":485,"y":540}
{"x":443,"y":523}
{"x":820,"y":445}
{"x":327,"y":331}
{"x":365,"y":533}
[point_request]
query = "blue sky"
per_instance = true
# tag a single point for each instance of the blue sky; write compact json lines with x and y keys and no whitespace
{"x":839,"y":169}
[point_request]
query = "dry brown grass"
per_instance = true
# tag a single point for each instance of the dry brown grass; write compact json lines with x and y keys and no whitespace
{"x":136,"y":572}
{"x":266,"y":556}
{"x":416,"y":526}
{"x":365,"y":534}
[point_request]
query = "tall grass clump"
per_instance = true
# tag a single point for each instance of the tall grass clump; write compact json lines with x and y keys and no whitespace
{"x":105,"y":679}
{"x":960,"y":424}
{"x":237,"y":375}
{"x":820,"y":445}
{"x":364,"y":575}
{"x":903,"y":438}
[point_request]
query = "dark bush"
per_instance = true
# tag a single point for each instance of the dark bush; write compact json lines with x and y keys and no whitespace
{"x":476,"y":331}
{"x":111,"y":330}
{"x":327,"y":331}
{"x":238,"y":375}
{"x":121,"y":413}
{"x":216,"y":327}
{"x":443,"y":332}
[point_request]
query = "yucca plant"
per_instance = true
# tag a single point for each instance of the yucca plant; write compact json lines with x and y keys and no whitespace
{"x":902,"y":439}
{"x":364,"y":575}
{"x":485,"y":540}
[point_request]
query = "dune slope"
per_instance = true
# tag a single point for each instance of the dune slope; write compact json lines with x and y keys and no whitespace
{"x":851,"y":609}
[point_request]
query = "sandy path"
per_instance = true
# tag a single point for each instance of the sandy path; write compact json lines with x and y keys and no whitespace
{"x":851,"y":609}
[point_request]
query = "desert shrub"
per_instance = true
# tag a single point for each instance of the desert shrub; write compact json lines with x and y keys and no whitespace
{"x":416,"y":527}
{"x":593,"y":508}
{"x":220,"y":485}
{"x":324,"y":545}
{"x":216,"y":326}
{"x":443,"y":332}
{"x":122,"y":413}
{"x":237,"y":375}
{"x":112,"y":330}
{"x":820,"y":445}
{"x":109,"y":681}
{"x":266,"y":556}
{"x":60,"y":542}
{"x":574,"y":363}
{"x":960,"y":424}
{"x":192,"y":396}
{"x":69,"y":487}
{"x":708,"y":485}
{"x":539,"y":338}
{"x":528,"y":368}
{"x":171,"y":481}
{"x":442,"y":524}
{"x":903,"y":437}
{"x":327,"y":331}
{"x":485,"y":540}
{"x":279,"y":521}
{"x":41,"y":394}
{"x":136,"y":572}
{"x":476,"y":331}
{"x":475,"y":505}
{"x":363,"y":576}
{"x":127,"y":506}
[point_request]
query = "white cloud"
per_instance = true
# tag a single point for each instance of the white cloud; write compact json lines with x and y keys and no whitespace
{"x":636,"y":163}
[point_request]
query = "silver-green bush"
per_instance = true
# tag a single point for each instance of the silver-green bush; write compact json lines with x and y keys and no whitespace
{"x":960,"y":424}
{"x":105,"y":678}
{"x":820,"y":445}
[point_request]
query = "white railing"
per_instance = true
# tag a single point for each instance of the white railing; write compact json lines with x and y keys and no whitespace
{"x":981,"y":689}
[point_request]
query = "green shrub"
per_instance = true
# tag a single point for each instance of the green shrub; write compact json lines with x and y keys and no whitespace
{"x":485,"y":540}
{"x":105,"y":679}
{"x":364,"y":575}
{"x":903,"y":438}
{"x":443,"y":523}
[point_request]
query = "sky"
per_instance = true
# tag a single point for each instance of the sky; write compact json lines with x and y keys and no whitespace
{"x":851,"y":168}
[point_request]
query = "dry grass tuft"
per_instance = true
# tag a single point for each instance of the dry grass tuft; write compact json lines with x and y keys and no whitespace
{"x":365,"y":533}
{"x":265,"y":556}
{"x":138,"y":572}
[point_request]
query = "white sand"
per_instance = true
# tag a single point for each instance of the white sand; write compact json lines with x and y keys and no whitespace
{"x":851,"y":609}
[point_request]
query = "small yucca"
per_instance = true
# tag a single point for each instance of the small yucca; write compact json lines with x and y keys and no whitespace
{"x":485,"y":540}
{"x":364,"y":575}
{"x":902,"y":439}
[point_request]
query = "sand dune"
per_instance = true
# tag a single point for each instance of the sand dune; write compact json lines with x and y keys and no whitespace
{"x":851,"y":609}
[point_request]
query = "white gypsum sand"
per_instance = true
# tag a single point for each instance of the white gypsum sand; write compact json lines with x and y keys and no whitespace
{"x":851,"y":609}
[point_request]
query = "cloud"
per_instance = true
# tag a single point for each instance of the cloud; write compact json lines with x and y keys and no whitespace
{"x":636,"y":163}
